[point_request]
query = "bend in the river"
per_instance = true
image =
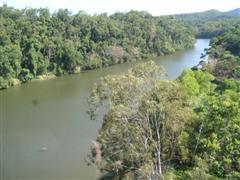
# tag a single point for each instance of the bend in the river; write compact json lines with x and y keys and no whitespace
{"x":46,"y":131}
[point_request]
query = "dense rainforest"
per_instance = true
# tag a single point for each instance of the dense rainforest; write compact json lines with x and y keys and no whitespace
{"x":211,"y":23}
{"x":188,"y":128}
{"x":35,"y":43}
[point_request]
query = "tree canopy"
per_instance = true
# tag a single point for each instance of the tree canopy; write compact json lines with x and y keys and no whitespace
{"x":34,"y":42}
{"x":225,"y":55}
{"x":211,"y":23}
{"x":188,"y":128}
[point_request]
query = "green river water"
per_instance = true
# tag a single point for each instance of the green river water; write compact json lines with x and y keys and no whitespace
{"x":45,"y":131}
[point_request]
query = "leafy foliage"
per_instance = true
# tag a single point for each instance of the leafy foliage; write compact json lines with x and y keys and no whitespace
{"x":145,"y":117}
{"x":225,"y":55}
{"x":188,"y":128}
{"x":39,"y":42}
{"x":211,"y":23}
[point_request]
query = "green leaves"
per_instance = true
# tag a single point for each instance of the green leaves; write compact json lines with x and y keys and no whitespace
{"x":225,"y":49}
{"x":190,"y":125}
{"x":63,"y":43}
{"x":3,"y":83}
{"x":25,"y":75}
{"x":143,"y":119}
{"x":220,"y":133}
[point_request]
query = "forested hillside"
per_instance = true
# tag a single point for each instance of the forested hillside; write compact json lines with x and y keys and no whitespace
{"x":188,"y":128}
{"x":34,"y":42}
{"x":225,"y":55}
{"x":211,"y":23}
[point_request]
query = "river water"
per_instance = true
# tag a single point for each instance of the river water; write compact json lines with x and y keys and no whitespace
{"x":45,"y":131}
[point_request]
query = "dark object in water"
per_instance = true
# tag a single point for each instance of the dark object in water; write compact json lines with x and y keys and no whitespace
{"x":203,"y":55}
{"x":35,"y":102}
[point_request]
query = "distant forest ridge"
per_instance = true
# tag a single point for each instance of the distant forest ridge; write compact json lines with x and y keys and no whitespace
{"x":214,"y":11}
{"x":211,"y":23}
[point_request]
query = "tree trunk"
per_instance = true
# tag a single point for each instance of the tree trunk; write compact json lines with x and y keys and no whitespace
{"x":159,"y":163}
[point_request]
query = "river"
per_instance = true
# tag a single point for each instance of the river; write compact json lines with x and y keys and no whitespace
{"x":45,"y":131}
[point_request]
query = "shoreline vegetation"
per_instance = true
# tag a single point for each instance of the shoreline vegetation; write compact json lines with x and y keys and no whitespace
{"x":35,"y":43}
{"x":45,"y":77}
{"x":50,"y":76}
{"x":153,"y":128}
{"x":187,"y":128}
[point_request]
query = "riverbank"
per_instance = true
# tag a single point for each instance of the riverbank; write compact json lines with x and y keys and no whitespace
{"x":53,"y":114}
{"x":49,"y":76}
{"x":15,"y":82}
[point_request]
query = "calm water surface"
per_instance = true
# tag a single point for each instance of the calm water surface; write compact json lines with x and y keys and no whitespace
{"x":45,"y":131}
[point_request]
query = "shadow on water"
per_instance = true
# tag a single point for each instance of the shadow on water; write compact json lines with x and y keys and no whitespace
{"x":35,"y":102}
